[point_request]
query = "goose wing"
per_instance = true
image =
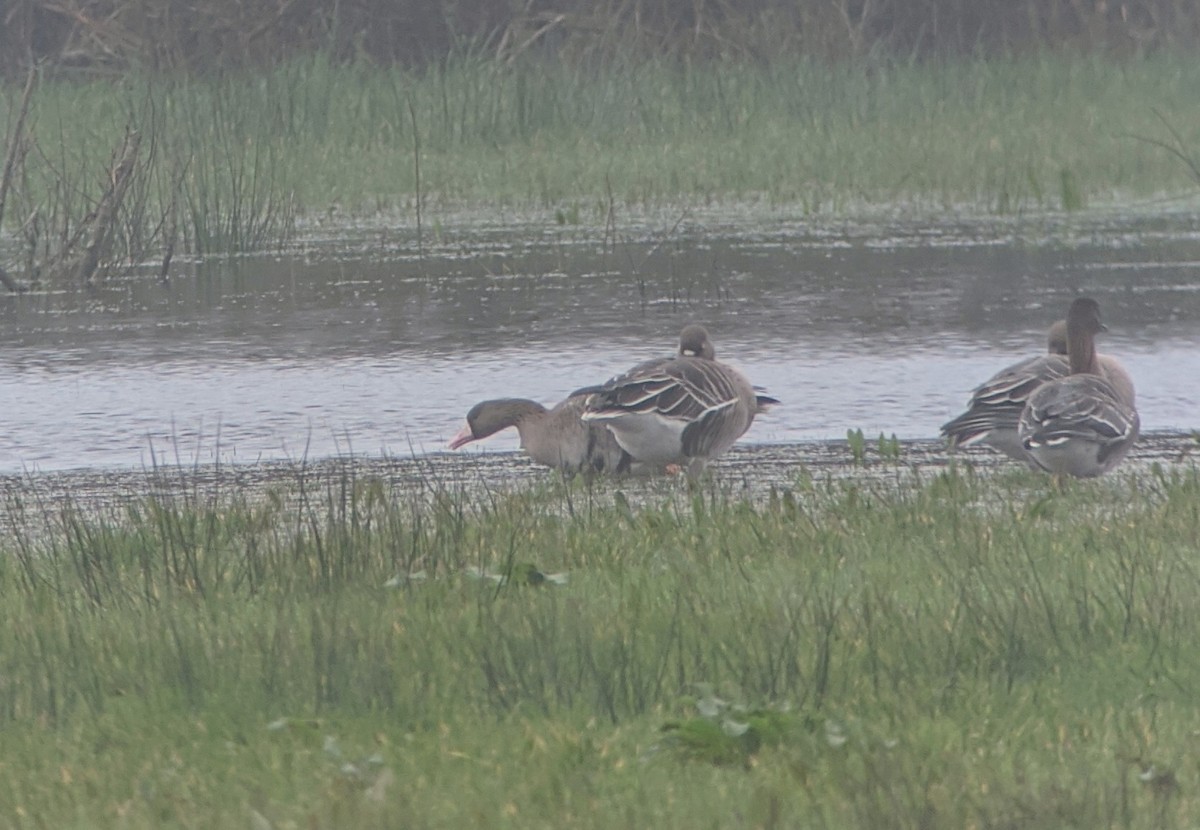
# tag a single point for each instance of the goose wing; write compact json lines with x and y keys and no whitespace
{"x":711,"y":403}
{"x":1079,"y":407}
{"x":997,"y":403}
{"x":683,"y":388}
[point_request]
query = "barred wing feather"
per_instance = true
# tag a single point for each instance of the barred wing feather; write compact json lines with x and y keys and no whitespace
{"x":1079,"y":410}
{"x":996,"y":404}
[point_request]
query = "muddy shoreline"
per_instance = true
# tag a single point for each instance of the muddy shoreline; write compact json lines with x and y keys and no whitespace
{"x":37,"y":499}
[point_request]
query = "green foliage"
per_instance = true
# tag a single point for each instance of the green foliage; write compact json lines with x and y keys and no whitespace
{"x":726,"y":734}
{"x":858,"y":446}
{"x":1072,"y":198}
{"x":237,"y":158}
{"x":352,"y":655}
{"x":889,"y":448}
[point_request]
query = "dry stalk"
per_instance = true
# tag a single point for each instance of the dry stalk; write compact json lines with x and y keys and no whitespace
{"x":412,"y":114}
{"x":104,"y":217}
{"x":96,"y":35}
{"x":16,"y":149}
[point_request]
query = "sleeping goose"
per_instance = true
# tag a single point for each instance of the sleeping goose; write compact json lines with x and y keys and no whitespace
{"x":553,"y":437}
{"x":996,"y":405}
{"x":1082,"y":424}
{"x":678,"y":411}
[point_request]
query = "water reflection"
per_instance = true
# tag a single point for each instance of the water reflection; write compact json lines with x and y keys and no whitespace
{"x":358,"y":343}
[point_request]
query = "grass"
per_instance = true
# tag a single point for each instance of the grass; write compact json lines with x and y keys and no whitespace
{"x":950,"y":651}
{"x":244,"y":154}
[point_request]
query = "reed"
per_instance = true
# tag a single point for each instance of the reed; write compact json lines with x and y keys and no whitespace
{"x":234,"y":161}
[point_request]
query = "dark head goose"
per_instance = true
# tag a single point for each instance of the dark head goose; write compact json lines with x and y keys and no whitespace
{"x":1083,"y":424}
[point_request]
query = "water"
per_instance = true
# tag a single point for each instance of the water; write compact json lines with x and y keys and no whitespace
{"x":359,"y":343}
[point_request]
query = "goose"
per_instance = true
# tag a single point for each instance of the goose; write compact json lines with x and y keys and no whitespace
{"x":678,"y":412}
{"x":996,"y":404}
{"x":1083,"y":424}
{"x":555,"y":438}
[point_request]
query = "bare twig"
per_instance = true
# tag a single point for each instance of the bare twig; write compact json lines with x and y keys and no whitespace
{"x":16,"y":143}
{"x":610,"y":217}
{"x":271,"y":22}
{"x":15,"y":140}
{"x":1178,"y":149}
{"x":412,"y":114}
{"x":171,"y":234}
{"x":9,"y":283}
{"x":105,"y":214}
{"x":553,"y":22}
{"x":663,"y":238}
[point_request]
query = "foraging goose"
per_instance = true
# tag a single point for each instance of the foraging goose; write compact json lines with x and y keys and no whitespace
{"x":682,"y":410}
{"x":1082,"y":424}
{"x":554,"y":437}
{"x":996,"y":405}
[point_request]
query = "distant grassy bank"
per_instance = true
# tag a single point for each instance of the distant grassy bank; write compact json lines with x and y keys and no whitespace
{"x":229,"y":162}
{"x":951,"y":651}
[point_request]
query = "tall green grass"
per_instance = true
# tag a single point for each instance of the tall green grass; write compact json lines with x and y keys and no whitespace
{"x":244,"y":153}
{"x":942,"y":652}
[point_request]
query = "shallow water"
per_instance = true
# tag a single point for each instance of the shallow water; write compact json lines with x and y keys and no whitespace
{"x":358,"y":342}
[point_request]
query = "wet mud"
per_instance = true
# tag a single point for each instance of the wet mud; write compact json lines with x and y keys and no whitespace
{"x":753,"y":471}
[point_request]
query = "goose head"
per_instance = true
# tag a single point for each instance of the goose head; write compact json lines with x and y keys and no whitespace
{"x":489,"y":417}
{"x":694,"y":342}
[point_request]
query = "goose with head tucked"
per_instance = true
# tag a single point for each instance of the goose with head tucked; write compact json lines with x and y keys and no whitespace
{"x":678,"y":412}
{"x":1083,"y":424}
{"x":996,"y":405}
{"x":556,"y":438}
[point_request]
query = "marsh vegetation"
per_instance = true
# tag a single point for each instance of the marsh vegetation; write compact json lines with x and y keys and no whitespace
{"x":939,"y":649}
{"x":106,"y":36}
{"x":136,"y":134}
{"x":932,"y":648}
{"x":238,"y":161}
